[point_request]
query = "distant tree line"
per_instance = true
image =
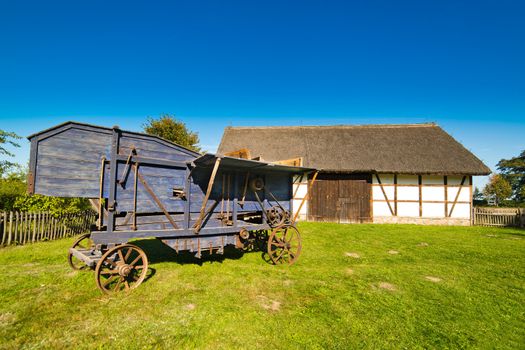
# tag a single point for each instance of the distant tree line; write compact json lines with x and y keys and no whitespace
{"x":13,"y":176}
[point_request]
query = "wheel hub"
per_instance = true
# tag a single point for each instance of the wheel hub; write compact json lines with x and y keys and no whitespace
{"x":124,"y":270}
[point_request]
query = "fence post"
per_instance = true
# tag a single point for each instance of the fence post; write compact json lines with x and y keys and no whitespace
{"x":10,"y":228}
{"x":4,"y":233}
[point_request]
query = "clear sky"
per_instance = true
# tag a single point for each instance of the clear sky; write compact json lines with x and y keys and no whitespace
{"x":213,"y":64}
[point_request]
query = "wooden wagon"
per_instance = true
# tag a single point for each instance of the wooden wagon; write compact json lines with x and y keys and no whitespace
{"x":143,"y":186}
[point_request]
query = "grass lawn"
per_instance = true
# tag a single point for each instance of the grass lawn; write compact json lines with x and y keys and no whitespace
{"x":355,"y":286}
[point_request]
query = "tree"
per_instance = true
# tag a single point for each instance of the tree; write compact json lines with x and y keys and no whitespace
{"x":7,"y":138}
{"x":513,"y":170}
{"x":12,"y":186}
{"x":172,"y":130}
{"x":498,"y":187}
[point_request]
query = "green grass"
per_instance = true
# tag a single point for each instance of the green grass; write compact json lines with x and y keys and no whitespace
{"x":327,"y":300}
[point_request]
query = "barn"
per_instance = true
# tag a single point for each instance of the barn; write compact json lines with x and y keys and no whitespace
{"x":409,"y":173}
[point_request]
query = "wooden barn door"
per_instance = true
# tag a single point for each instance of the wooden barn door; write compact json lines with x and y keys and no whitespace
{"x":340,"y":198}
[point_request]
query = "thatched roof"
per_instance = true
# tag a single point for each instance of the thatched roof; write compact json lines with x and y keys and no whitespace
{"x":401,"y":149}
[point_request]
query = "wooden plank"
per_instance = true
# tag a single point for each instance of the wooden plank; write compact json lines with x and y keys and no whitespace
{"x":207,"y":196}
{"x":290,"y":162}
{"x":243,"y":153}
{"x":10,"y":233}
{"x":420,"y":182}
{"x":445,"y":184}
{"x":395,"y":194}
{"x":457,"y":196}
{"x":4,"y":224}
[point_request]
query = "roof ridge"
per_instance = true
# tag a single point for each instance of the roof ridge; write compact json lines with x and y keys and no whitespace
{"x":339,"y":126}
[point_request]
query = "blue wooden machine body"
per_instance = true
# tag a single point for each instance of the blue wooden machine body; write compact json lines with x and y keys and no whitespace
{"x":144,"y":186}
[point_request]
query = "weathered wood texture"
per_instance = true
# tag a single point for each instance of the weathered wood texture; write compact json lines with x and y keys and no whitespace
{"x":341,"y":198}
{"x":511,"y":217}
{"x":25,"y":227}
{"x":67,"y":162}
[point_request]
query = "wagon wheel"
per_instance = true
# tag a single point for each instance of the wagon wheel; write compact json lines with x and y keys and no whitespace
{"x":284,"y":245}
{"x":123,"y":267}
{"x":277,"y":216}
{"x":82,"y":242}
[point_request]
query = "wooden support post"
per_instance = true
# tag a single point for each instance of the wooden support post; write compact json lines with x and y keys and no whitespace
{"x":471,"y":200}
{"x":9,"y":237}
{"x":4,"y":224}
{"x":445,"y":183}
{"x":155,"y":198}
{"x":457,"y":195}
{"x":384,"y":194}
{"x":207,"y":196}
{"x":245,"y":188}
{"x":101,"y":194}
{"x":135,"y":194}
{"x":395,"y":194}
{"x":305,"y":197}
{"x":420,"y":182}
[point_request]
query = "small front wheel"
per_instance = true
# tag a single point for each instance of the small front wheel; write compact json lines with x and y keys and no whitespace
{"x":83,"y":242}
{"x":123,"y":267}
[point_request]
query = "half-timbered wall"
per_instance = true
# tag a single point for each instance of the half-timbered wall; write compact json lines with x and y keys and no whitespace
{"x":423,"y":199}
{"x":300,"y":189}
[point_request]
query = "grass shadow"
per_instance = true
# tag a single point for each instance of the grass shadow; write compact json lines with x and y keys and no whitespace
{"x":159,"y":252}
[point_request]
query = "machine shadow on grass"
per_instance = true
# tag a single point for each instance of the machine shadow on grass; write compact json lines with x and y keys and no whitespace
{"x":159,"y":252}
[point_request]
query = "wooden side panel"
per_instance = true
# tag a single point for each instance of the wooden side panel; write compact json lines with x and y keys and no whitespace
{"x":68,"y":164}
{"x":153,"y":148}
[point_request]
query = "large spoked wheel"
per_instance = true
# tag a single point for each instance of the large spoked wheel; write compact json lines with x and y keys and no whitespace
{"x":83,"y":242}
{"x":284,"y":245}
{"x":123,"y":267}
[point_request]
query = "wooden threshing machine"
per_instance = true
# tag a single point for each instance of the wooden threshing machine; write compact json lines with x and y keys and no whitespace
{"x":144,"y":186}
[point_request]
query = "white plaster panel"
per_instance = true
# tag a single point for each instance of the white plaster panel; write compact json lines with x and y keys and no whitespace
{"x":407,"y":179}
{"x":407,"y":209}
{"x":460,"y":211}
{"x":433,"y":193}
{"x":381,"y":209}
{"x":432,"y":180}
{"x":456,"y":180}
{"x":464,"y":194}
{"x":385,"y":178}
{"x":407,"y":193}
{"x":377,"y":194}
{"x":301,"y":192}
{"x":433,"y":210}
{"x":297,"y":203}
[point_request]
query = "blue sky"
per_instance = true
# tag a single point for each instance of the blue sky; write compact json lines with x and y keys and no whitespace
{"x":214,"y":64}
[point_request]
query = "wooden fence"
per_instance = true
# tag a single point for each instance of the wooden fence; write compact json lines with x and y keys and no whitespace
{"x":25,"y":227}
{"x":512,"y":217}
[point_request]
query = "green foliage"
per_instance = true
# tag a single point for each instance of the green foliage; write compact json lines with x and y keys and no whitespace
{"x":14,"y":196}
{"x":513,"y":170}
{"x":12,"y":186}
{"x":7,"y":138}
{"x":498,"y":187}
{"x":55,"y":205}
{"x":328,"y":300}
{"x":172,"y":130}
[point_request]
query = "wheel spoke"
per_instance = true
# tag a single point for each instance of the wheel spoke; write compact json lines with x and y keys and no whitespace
{"x":126,"y":283}
{"x":128,"y":254}
{"x":109,"y":280}
{"x":120,"y":255}
{"x":118,"y":284}
{"x":109,"y":272}
{"x":136,"y":260}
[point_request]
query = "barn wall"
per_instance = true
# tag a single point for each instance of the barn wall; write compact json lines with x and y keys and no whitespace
{"x":300,"y":189}
{"x":422,"y":199}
